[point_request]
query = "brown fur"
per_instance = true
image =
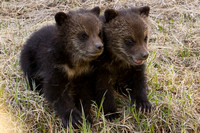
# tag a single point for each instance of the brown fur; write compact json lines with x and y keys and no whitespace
{"x":121,"y":65}
{"x":56,"y":56}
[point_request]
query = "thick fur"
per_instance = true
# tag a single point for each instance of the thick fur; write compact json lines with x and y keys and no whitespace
{"x":122,"y":65}
{"x":56,"y":57}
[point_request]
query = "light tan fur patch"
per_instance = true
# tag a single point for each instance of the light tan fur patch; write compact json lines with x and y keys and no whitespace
{"x":76,"y":71}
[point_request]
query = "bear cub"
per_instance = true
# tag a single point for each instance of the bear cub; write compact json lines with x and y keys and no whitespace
{"x":56,"y":55}
{"x":125,"y":37}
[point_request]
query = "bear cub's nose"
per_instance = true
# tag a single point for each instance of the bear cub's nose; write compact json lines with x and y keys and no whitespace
{"x":99,"y":46}
{"x":145,"y":55}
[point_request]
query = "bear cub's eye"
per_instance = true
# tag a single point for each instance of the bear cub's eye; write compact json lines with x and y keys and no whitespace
{"x":83,"y":36}
{"x":129,"y":41}
{"x":145,"y":39}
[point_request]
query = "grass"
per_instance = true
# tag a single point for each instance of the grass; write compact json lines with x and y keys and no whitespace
{"x":172,"y":68}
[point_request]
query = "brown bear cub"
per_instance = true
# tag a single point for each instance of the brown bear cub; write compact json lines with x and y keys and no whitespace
{"x":125,"y":36}
{"x":56,"y":55}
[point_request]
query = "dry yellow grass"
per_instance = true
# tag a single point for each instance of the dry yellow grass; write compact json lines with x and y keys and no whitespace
{"x":173,"y":67}
{"x":7,"y":123}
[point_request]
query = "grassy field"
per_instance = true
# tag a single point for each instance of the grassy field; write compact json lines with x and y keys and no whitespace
{"x":173,"y":68}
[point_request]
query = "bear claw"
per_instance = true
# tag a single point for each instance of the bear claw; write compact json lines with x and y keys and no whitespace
{"x":144,"y":106}
{"x":76,"y":118}
{"x":112,"y":116}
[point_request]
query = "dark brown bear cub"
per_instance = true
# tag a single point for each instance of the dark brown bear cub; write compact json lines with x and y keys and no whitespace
{"x":56,"y":55}
{"x":122,"y":65}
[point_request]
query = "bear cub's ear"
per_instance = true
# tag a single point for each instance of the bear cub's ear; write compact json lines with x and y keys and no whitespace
{"x":144,"y":11}
{"x":110,"y":14}
{"x":61,"y":18}
{"x":96,"y":11}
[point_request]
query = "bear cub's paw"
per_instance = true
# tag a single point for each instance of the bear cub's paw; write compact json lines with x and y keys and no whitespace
{"x":112,"y":116}
{"x":76,"y":119}
{"x":143,"y":105}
